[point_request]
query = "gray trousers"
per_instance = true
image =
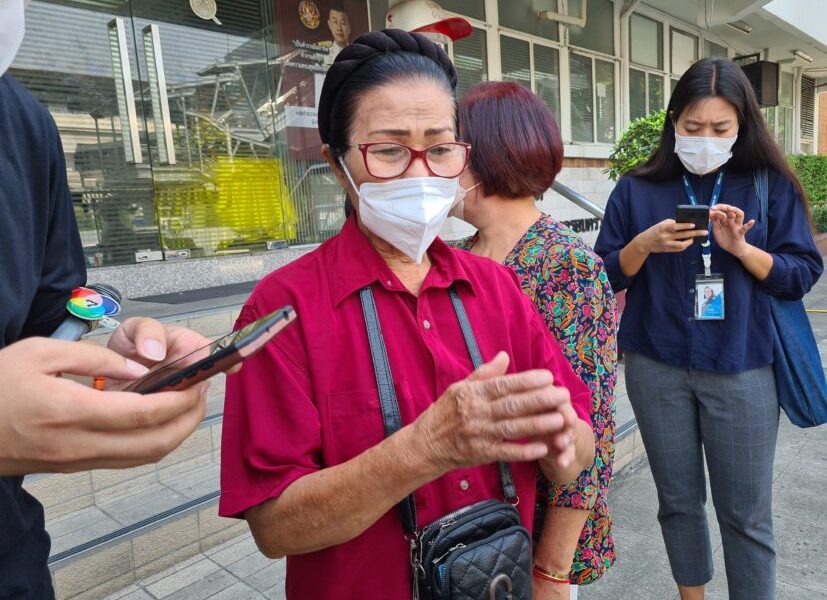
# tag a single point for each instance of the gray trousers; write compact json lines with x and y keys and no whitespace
{"x":684,"y":414}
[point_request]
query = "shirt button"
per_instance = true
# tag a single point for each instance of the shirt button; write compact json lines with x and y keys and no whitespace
{"x":691,"y":319}
{"x":463,"y":485}
{"x":426,"y":324}
{"x":691,"y":290}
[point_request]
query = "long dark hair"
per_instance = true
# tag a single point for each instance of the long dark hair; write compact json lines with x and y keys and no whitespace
{"x":755,"y":147}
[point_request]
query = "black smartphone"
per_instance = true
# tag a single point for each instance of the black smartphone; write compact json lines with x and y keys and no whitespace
{"x":214,"y":358}
{"x":692,"y":213}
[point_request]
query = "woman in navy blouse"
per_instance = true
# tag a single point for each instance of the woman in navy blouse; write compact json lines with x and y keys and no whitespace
{"x":701,"y":381}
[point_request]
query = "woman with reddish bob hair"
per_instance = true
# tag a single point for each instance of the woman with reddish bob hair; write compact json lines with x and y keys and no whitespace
{"x":516,"y":154}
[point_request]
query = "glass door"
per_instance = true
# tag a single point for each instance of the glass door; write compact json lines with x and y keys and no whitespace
{"x":213,"y":128}
{"x":78,"y":58}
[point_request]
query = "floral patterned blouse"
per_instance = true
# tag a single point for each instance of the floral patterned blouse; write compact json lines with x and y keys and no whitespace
{"x":568,"y":284}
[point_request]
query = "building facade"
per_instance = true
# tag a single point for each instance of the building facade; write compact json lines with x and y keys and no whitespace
{"x":189,"y":127}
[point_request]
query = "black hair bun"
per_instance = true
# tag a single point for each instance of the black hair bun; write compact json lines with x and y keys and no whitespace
{"x":365,"y":47}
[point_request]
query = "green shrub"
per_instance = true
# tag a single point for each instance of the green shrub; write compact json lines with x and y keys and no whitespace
{"x":636,"y":145}
{"x":819,"y":212}
{"x":812,"y":171}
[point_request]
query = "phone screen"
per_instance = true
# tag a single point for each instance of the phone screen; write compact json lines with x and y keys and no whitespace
{"x":218,"y":356}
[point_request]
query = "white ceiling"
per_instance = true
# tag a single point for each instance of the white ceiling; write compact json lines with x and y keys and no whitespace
{"x":768,"y":30}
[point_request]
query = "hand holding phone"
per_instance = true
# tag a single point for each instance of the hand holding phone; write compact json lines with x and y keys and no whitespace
{"x":217,"y":357}
{"x":695,"y":214}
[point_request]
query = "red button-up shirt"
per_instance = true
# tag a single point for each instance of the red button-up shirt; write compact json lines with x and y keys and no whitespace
{"x":309,"y":399}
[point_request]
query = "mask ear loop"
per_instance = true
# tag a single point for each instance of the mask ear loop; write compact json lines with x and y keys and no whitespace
{"x":347,"y":173}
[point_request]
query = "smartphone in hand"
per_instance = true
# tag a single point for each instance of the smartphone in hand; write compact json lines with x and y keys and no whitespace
{"x":697,"y":214}
{"x":222,"y":354}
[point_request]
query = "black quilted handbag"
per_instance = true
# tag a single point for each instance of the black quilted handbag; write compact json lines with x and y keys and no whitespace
{"x":479,"y":552}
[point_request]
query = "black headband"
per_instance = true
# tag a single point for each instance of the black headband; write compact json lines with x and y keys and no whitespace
{"x":365,"y":47}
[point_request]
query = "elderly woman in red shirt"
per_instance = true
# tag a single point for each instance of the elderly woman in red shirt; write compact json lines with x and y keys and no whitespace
{"x":305,"y":456}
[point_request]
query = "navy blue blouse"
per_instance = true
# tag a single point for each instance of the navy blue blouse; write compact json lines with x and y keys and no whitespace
{"x":660,"y":299}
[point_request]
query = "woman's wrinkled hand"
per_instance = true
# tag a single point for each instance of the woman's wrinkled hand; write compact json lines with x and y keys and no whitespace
{"x":492,"y":416}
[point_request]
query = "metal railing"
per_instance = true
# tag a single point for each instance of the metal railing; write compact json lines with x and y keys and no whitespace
{"x":578,"y":199}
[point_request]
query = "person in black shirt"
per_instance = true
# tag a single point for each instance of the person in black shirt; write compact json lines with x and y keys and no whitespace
{"x":48,"y":423}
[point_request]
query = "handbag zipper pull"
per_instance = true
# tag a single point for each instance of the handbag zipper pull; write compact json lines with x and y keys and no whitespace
{"x":441,"y":558}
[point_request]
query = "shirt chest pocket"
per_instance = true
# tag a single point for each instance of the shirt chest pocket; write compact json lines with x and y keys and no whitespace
{"x":354,"y":423}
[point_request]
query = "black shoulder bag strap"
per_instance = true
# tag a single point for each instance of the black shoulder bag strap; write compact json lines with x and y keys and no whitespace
{"x":761,"y":182}
{"x":391,"y":417}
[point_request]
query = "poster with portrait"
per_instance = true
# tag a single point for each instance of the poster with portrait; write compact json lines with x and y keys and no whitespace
{"x":310,"y":34}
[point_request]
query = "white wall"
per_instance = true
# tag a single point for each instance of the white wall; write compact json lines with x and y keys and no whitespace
{"x":589,"y":181}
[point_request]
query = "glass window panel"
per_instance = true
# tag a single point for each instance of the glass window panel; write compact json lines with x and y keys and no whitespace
{"x":67,"y":62}
{"x":582,"y":98}
{"x":672,"y":84}
{"x":516,"y":61}
{"x":604,"y":79}
{"x":377,"y":9}
{"x":467,"y":8}
{"x":713,"y":49}
{"x":785,"y":128}
{"x":547,"y":77}
{"x":785,"y":90}
{"x":684,"y":51}
{"x":637,"y":94}
{"x":471,"y":61}
{"x":521,"y":15}
{"x":655,"y":93}
{"x":598,"y":34}
{"x":646,"y":41}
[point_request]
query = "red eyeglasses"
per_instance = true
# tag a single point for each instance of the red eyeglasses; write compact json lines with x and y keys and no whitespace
{"x":386,"y":160}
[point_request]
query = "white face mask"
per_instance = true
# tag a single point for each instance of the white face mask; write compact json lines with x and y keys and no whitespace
{"x":458,"y":209}
{"x":702,"y":155}
{"x":406,"y":213}
{"x":12,"y":28}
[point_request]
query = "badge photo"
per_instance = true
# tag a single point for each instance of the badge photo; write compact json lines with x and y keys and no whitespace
{"x":709,"y":298}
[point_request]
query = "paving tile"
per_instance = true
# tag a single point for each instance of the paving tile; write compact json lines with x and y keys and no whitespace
{"x":192,"y":478}
{"x":107,"y":478}
{"x":238,"y":591}
{"x":133,"y":592}
{"x":79,"y":527}
{"x":147,"y":503}
{"x":275,"y":593}
{"x":233,"y":551}
{"x":205,"y":587}
{"x":799,"y":542}
{"x":264,"y":579}
{"x":148,"y":568}
{"x":198,"y":444}
{"x":249,"y":564}
{"x":181,"y":578}
{"x":179,"y":566}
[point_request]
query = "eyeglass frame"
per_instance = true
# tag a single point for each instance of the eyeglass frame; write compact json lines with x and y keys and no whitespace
{"x":414,"y":154}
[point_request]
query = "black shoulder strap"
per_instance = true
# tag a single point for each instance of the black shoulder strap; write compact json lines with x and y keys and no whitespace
{"x":761,"y":181}
{"x":509,"y":489}
{"x":391,"y":417}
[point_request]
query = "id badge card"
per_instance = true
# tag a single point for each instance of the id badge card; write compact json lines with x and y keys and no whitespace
{"x":709,"y":297}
